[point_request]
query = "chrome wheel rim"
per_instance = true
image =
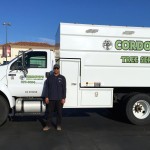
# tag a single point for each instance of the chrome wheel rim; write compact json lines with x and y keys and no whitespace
{"x":141,"y":109}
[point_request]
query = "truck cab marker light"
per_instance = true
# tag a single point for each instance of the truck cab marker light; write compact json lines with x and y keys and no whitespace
{"x":128,"y":32}
{"x":92,"y":31}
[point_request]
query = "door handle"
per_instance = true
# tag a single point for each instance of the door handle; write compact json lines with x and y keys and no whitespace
{"x":73,"y":83}
{"x":11,"y":74}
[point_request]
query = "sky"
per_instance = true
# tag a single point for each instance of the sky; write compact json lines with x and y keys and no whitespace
{"x":38,"y":20}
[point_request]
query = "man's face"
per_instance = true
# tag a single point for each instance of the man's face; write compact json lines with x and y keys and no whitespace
{"x":56,"y":70}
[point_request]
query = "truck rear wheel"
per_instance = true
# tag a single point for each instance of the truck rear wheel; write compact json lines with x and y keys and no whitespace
{"x":138,"y":109}
{"x":4,"y":110}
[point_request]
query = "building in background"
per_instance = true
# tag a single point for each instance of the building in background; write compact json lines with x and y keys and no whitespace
{"x":14,"y":48}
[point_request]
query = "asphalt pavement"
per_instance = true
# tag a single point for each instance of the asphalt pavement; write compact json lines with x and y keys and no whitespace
{"x":83,"y":129}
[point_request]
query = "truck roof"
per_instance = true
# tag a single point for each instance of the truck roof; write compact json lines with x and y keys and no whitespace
{"x":114,"y":26}
{"x":39,"y":50}
{"x":104,"y":30}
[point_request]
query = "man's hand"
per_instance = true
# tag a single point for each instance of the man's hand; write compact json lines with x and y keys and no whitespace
{"x":63,"y":101}
{"x":46,"y":100}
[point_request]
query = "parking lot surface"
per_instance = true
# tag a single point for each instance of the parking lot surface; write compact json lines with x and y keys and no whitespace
{"x":83,"y":129}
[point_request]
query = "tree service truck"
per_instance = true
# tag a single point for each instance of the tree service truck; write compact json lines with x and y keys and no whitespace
{"x":103,"y":65}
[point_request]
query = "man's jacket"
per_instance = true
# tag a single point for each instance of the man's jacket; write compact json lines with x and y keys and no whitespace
{"x":55,"y":87}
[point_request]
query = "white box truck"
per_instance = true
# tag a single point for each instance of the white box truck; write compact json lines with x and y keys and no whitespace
{"x":103,"y":65}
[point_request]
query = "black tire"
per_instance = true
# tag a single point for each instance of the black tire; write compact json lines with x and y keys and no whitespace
{"x":124,"y":102}
{"x":136,"y":112}
{"x":4,"y":110}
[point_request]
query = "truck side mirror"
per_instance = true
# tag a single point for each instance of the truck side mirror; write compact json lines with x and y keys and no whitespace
{"x":47,"y":74}
{"x":23,"y":60}
{"x":24,"y":67}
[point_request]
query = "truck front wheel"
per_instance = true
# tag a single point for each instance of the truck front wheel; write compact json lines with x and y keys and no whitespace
{"x":4,"y":110}
{"x":138,"y":109}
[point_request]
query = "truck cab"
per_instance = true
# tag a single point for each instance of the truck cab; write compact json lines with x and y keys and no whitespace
{"x":22,"y":82}
{"x":28,"y":78}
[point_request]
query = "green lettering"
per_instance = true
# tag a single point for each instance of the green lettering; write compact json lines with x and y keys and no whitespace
{"x":147,"y":45}
{"x":133,"y":59}
{"x":144,"y":59}
{"x":125,"y":59}
{"x":125,"y":45}
{"x":139,"y":45}
{"x":129,"y":59}
{"x":132,"y":45}
{"x":118,"y":45}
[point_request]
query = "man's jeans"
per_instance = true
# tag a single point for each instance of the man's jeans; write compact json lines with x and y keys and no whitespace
{"x":54,"y":105}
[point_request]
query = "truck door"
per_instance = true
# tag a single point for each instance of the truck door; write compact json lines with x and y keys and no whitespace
{"x":31,"y":84}
{"x":70,"y":69}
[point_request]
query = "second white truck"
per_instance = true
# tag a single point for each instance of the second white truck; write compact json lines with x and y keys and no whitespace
{"x":103,"y":65}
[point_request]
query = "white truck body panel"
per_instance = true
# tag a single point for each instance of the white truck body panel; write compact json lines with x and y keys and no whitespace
{"x":4,"y":89}
{"x":107,"y":66}
{"x":109,"y":57}
{"x":79,"y":97}
{"x":72,"y":79}
{"x":3,"y":76}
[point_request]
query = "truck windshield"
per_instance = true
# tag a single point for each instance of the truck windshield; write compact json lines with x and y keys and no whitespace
{"x":13,"y":59}
{"x":6,"y":63}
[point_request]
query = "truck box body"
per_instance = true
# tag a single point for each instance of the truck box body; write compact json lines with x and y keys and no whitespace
{"x":110,"y":55}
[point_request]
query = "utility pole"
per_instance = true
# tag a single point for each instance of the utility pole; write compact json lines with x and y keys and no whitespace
{"x":6,"y":24}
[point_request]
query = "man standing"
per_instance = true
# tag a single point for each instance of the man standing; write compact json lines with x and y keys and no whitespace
{"x":55,"y":91}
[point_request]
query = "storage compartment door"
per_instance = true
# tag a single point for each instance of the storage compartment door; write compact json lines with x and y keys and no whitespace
{"x":70,"y":69}
{"x":97,"y":97}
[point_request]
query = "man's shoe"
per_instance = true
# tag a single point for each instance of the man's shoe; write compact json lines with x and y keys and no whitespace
{"x":46,"y":128}
{"x":58,"y":128}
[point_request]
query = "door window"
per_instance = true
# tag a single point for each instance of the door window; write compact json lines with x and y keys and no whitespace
{"x":33,"y":60}
{"x":17,"y":64}
{"x":36,"y":60}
